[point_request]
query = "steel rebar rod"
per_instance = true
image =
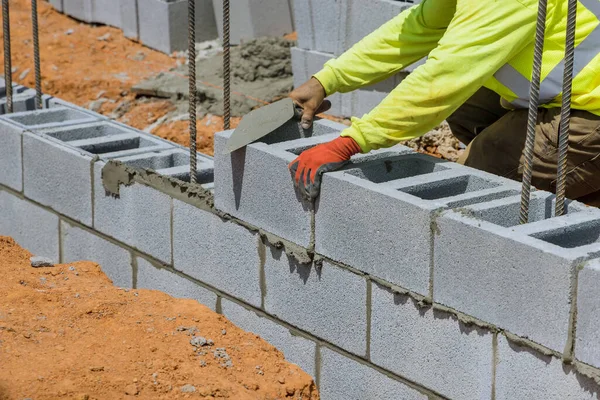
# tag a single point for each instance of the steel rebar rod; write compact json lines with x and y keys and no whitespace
{"x":7,"y":60}
{"x":192,"y":85}
{"x":534,"y":98}
{"x":226,"y":66}
{"x":36,"y":55}
{"x":565,"y":113}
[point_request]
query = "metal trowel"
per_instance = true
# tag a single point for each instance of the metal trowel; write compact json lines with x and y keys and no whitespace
{"x":262,"y":121}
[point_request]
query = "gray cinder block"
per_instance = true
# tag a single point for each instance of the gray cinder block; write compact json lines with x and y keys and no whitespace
{"x":255,"y":18}
{"x":345,"y":378}
{"x":56,"y":117}
{"x":516,"y":277}
{"x":220,"y":253}
{"x":57,"y":4}
{"x":119,"y":145}
{"x":521,"y":373}
{"x":296,"y":349}
{"x":58,"y":177}
{"x":34,"y":228}
{"x":140,"y":217}
{"x":587,"y":346}
{"x":156,"y":278}
{"x":377,"y":216}
{"x":163,"y":24}
{"x":80,"y":244}
{"x":430,"y":347}
{"x":79,"y":9}
{"x":105,"y":12}
{"x":129,"y":18}
{"x":11,"y":158}
{"x":23,"y":100}
{"x":318,"y":23}
{"x":328,"y":301}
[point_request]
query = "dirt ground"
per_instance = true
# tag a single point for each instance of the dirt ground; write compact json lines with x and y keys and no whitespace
{"x":67,"y":333}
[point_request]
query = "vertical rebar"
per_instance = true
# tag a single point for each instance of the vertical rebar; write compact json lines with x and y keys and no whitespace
{"x":7,"y":60}
{"x":36,"y":55}
{"x":192,"y":85}
{"x":226,"y":66}
{"x":534,"y":98}
{"x":565,"y":112}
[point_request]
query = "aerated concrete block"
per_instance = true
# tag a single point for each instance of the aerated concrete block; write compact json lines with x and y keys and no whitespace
{"x":58,"y":177}
{"x":587,"y":346}
{"x":163,"y":24}
{"x":328,"y":301}
{"x":79,"y":9}
{"x":345,"y":378}
{"x":81,"y":244}
{"x":486,"y":267}
{"x":11,"y":158}
{"x":430,"y":347}
{"x":33,"y":227}
{"x":140,"y":217}
{"x":220,"y":253}
{"x":156,"y":278}
{"x":255,"y":18}
{"x":378,"y":216}
{"x":522,"y":373}
{"x":106,"y":12}
{"x":129,"y":18}
{"x":295,"y":348}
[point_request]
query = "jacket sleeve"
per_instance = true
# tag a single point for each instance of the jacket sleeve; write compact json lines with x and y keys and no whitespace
{"x":482,"y":36}
{"x":400,"y":42}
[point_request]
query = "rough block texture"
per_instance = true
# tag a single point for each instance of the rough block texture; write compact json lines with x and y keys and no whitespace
{"x":155,"y":278}
{"x":34,"y":228}
{"x":163,"y":24}
{"x":129,"y":18}
{"x":140,"y":217}
{"x":524,"y":374}
{"x":296,"y":349}
{"x":347,"y":379}
{"x":106,"y":12}
{"x":58,"y":177}
{"x":219,"y":253}
{"x":318,"y":27}
{"x":11,"y":157}
{"x":430,"y":347}
{"x":81,"y":244}
{"x":255,"y":18}
{"x":587,"y":346}
{"x":516,"y":282}
{"x":330,"y":302}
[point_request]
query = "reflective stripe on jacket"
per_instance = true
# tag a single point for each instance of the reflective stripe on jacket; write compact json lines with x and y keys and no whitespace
{"x":469,"y":44}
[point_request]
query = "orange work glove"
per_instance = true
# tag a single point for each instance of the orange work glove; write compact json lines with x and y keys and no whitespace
{"x":310,"y":165}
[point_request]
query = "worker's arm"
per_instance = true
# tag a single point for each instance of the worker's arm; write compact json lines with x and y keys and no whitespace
{"x":482,"y":36}
{"x":400,"y":42}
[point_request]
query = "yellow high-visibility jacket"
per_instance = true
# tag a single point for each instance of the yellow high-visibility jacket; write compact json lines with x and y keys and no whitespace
{"x":469,"y":44}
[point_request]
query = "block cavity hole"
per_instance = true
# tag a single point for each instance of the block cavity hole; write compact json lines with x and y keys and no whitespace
{"x":85,"y":132}
{"x":572,"y":236}
{"x":49,"y":116}
{"x":449,"y":187}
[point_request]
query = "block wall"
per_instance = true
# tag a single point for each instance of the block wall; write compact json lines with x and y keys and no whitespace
{"x":409,"y":278}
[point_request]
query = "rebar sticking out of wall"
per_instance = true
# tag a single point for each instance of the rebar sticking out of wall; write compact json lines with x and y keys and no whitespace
{"x":36,"y":55}
{"x":226,"y":66}
{"x":7,"y":61}
{"x":565,"y":114}
{"x":192,"y":85}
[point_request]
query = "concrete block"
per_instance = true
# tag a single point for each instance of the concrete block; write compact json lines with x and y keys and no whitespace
{"x":33,"y":227}
{"x":430,"y":347}
{"x":105,"y":12}
{"x":129,"y":18}
{"x":295,"y":348}
{"x":11,"y":158}
{"x":219,"y":253}
{"x":329,"y":302}
{"x":345,"y":378}
{"x":155,"y":278}
{"x":23,"y":100}
{"x":81,"y":244}
{"x":56,"y":117}
{"x":255,"y":18}
{"x":57,"y":4}
{"x":521,"y":373}
{"x":79,"y":9}
{"x":386,"y":200}
{"x":140,"y":217}
{"x":120,"y":145}
{"x":58,"y":177}
{"x":504,"y":276}
{"x":163,"y":24}
{"x":587,"y":346}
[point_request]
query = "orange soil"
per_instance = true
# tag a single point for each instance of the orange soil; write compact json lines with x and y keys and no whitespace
{"x":67,"y":332}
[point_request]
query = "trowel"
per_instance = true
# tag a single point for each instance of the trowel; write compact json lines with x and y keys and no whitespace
{"x":262,"y":121}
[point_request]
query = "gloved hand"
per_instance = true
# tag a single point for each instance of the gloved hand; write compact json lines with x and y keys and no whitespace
{"x":310,"y":165}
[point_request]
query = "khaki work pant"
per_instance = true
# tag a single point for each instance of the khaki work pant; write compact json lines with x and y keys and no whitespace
{"x":495,"y":138}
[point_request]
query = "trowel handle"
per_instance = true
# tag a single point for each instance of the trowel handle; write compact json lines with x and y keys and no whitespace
{"x":298,"y":111}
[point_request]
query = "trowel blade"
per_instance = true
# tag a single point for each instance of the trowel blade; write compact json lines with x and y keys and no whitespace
{"x":260,"y":122}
